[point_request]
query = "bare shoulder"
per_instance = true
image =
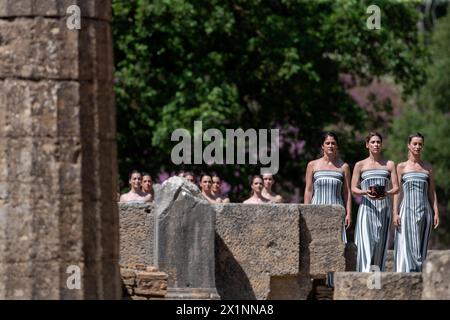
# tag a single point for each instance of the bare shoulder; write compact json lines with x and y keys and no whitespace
{"x":401,"y":166}
{"x":359,"y":164}
{"x":312,"y":164}
{"x":123,"y":197}
{"x":346,"y":169}
{"x":148,"y":198}
{"x":390,"y":165}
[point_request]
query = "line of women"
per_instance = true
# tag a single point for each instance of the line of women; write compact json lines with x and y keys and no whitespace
{"x":410,"y":184}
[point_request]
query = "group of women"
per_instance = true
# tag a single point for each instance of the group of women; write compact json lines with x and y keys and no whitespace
{"x":404,"y":194}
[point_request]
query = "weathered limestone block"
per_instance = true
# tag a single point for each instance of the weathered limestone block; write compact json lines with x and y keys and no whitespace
{"x":321,"y":246}
{"x":40,"y":104}
{"x":57,"y":153}
{"x":392,"y":286}
{"x":184,"y":240}
{"x":99,"y":9}
{"x":253,"y":244}
{"x":436,"y":276}
{"x":290,"y":287}
{"x":137,"y":225}
{"x":45,"y":49}
{"x":258,"y":246}
{"x":143,"y":284}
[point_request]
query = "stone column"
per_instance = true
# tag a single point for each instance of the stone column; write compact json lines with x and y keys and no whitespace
{"x":57,"y":152}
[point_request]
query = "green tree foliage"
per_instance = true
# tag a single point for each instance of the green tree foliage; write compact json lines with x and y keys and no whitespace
{"x":251,"y":64}
{"x":430,"y":116}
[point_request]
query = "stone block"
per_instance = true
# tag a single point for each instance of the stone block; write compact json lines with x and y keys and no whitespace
{"x":250,"y":243}
{"x":321,"y":246}
{"x":20,"y":281}
{"x":147,"y":276}
{"x":38,"y":48}
{"x":392,"y":286}
{"x":44,"y":48}
{"x":184,"y":238}
{"x":99,"y":9}
{"x":127,"y":273}
{"x":137,"y":225}
{"x":436,"y":275}
{"x":39,"y":108}
{"x":290,"y":288}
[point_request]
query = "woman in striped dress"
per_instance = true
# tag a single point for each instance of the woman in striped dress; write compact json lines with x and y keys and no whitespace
{"x":374,"y":213}
{"x":328,"y":180}
{"x":418,"y":209}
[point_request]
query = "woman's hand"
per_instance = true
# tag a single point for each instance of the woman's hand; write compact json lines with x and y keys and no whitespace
{"x":348,"y":221}
{"x":396,"y":220}
{"x":369,"y":194}
{"x":436,"y":221}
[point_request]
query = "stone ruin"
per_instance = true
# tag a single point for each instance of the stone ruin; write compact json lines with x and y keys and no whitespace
{"x":59,"y":222}
{"x":258,"y":252}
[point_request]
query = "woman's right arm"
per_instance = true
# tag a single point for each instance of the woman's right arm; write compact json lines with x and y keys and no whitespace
{"x":355,"y":180}
{"x":309,"y":183}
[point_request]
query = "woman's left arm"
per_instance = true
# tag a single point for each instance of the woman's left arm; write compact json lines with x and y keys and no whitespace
{"x":433,"y":199}
{"x":347,"y":196}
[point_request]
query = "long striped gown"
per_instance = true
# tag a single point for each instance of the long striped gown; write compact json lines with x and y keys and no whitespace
{"x":416,"y":217}
{"x":372,"y":223}
{"x":328,"y":190}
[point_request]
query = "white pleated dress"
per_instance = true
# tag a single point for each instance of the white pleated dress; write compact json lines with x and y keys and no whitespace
{"x":372,"y":223}
{"x":416,"y":217}
{"x":328,"y":190}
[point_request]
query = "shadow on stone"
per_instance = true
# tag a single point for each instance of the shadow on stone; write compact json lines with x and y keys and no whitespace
{"x":305,"y":240}
{"x":350,"y":256}
{"x":231,"y":281}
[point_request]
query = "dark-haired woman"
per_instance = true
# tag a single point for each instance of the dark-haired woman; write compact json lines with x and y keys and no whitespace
{"x":418,"y":209}
{"x":328,"y":179}
{"x":256,"y":195}
{"x":375,"y":179}
{"x":147,"y":185}
{"x":216,"y":190}
{"x":267,"y":189}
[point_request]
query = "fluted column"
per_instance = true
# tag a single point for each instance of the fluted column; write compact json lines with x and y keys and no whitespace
{"x":58,"y":162}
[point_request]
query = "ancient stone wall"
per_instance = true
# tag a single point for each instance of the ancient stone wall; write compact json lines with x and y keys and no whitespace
{"x":284,"y":251}
{"x":142,"y":282}
{"x":261,"y":251}
{"x":381,"y":286}
{"x":257,"y":257}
